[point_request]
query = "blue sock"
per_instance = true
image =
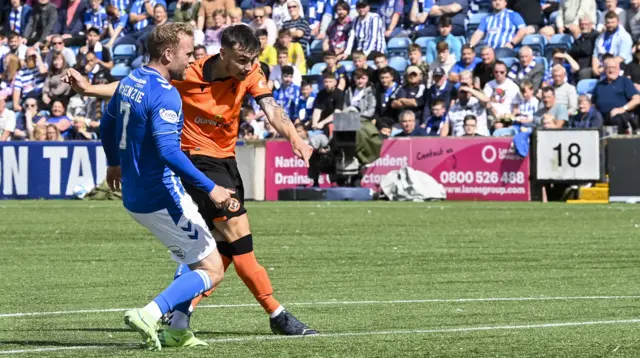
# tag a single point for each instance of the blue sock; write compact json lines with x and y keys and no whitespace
{"x":181,"y":270}
{"x":183,"y":289}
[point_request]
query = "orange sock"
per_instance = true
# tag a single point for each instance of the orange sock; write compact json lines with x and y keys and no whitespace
{"x":256,"y":279}
{"x":226,"y":262}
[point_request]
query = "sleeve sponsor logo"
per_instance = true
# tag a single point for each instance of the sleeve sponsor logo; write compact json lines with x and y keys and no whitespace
{"x":169,"y":115}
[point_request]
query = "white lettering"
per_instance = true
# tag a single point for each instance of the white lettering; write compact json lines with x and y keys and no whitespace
{"x":294,"y":179}
{"x":80,"y":163}
{"x":389,"y":161}
{"x":128,"y":91}
{"x":293,"y":162}
{"x":16,"y":171}
{"x":489,"y":158}
{"x":101,"y":165}
{"x":55,"y":155}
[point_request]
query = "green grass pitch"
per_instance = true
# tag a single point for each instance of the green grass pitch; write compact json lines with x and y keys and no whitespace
{"x":378,"y":279}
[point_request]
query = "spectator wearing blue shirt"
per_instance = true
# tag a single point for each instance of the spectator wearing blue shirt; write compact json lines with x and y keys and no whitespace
{"x":408,"y":124}
{"x":441,"y":89}
{"x":616,"y":98}
{"x":118,"y":25}
{"x":468,"y":62}
{"x":121,"y":5}
{"x":435,"y":124}
{"x":454,"y":9}
{"x":305,"y":102}
{"x":140,"y":12}
{"x":419,"y":13}
{"x":615,"y":40}
{"x":391,"y":13}
{"x":333,"y":67}
{"x":58,"y":118}
{"x":444,"y":34}
{"x":503,"y":28}
{"x":96,"y":17}
{"x":288,"y":94}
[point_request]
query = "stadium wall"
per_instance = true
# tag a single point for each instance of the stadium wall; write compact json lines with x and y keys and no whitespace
{"x":469,"y":168}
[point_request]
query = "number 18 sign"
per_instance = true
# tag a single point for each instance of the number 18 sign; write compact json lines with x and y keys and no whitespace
{"x":571,"y":155}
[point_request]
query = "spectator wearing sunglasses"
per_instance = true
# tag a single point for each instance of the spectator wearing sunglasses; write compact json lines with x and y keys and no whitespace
{"x":58,"y":47}
{"x":298,"y":27}
{"x":501,"y":92}
{"x":261,"y":21}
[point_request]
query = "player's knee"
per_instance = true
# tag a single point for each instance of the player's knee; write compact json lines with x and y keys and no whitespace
{"x":235,"y":228}
{"x":243,"y":245}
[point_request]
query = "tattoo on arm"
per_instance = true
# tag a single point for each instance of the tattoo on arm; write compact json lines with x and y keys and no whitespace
{"x":270,"y":107}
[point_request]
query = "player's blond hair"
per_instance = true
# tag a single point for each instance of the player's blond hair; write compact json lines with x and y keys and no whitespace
{"x":166,"y":36}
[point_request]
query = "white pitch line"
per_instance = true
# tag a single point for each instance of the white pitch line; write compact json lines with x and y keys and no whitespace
{"x":354,"y":334}
{"x":325,"y":303}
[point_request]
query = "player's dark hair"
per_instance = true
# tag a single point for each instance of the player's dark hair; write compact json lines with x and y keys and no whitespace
{"x":287,"y":71}
{"x":166,"y":36}
{"x":241,"y":36}
{"x":262,"y":32}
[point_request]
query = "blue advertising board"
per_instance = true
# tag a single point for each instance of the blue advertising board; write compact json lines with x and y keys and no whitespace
{"x":50,"y":170}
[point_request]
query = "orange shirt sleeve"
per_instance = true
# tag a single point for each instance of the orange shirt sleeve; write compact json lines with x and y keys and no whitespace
{"x":257,"y":84}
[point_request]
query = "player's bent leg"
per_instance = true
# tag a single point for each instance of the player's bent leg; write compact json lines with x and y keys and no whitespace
{"x":237,"y":231}
{"x":184,"y":232}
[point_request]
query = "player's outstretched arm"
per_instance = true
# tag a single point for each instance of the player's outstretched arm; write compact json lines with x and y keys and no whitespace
{"x":82,"y":85}
{"x":284,"y":126}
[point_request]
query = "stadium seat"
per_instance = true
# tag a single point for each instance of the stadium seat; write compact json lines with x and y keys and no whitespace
{"x":348,"y":66}
{"x":586,"y":86}
{"x":537,"y":43}
{"x":463,"y":40}
{"x":171,"y":9}
{"x":316,"y":52}
{"x":120,"y":71}
{"x":542,"y":60}
{"x":474,"y":21}
{"x":561,"y":40}
{"x":398,"y":46}
{"x":124,"y":53}
{"x":509,"y":61}
{"x":423,"y":42}
{"x":317,"y":68}
{"x":371,"y":64}
{"x":505,"y":52}
{"x":398,"y":63}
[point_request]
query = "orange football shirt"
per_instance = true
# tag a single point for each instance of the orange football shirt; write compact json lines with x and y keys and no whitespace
{"x":212,"y":109}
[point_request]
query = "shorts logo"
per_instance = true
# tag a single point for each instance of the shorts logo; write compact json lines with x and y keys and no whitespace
{"x":177,"y":251}
{"x":234,"y":205}
{"x":169,"y":115}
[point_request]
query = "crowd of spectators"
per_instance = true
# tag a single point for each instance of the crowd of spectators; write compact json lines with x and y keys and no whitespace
{"x":413,"y":67}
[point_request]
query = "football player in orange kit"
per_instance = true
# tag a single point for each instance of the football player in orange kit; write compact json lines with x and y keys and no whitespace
{"x":212,"y":96}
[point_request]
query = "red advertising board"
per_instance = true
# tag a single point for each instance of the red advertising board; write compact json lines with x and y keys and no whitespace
{"x":468,"y":168}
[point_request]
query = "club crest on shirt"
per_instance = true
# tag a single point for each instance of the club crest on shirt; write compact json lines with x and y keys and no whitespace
{"x":168,"y":115}
{"x":234,"y":205}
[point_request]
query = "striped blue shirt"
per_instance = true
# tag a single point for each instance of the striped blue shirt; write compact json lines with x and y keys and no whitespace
{"x":305,"y":107}
{"x":367,"y":35}
{"x":122,"y":5}
{"x":500,"y":28}
{"x":122,"y":21}
{"x":29,"y":81}
{"x":97,"y":19}
{"x":287,"y":98}
{"x":527,"y":108}
{"x":299,"y":24}
{"x":137,"y":7}
{"x":14,"y":20}
{"x":424,"y":6}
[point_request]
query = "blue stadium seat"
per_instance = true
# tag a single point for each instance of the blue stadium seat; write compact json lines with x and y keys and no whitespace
{"x":561,"y":40}
{"x":371,"y":64}
{"x":586,"y":86}
{"x":317,"y":68}
{"x":536,"y":42}
{"x":463,"y":40}
{"x":171,"y":8}
{"x":348,"y":66}
{"x":124,"y":53}
{"x":120,"y":71}
{"x":398,"y":63}
{"x":315,"y":51}
{"x":398,"y":46}
{"x":505,"y":52}
{"x":509,"y":61}
{"x":541,"y":59}
{"x":474,"y":21}
{"x":423,"y":43}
